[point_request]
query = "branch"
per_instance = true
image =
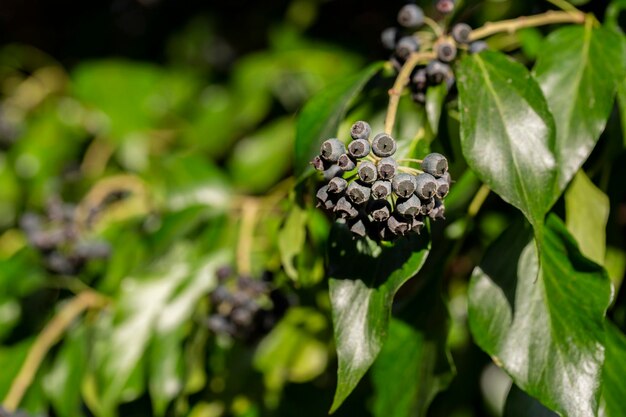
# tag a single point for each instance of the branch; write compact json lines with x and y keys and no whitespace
{"x":513,"y":25}
{"x":48,"y":337}
{"x":402,"y":80}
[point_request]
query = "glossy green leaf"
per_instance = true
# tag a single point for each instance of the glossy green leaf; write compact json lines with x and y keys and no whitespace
{"x":414,"y":357}
{"x":149,"y":94}
{"x":587,"y":213}
{"x":155,"y":302}
{"x":507,"y":132}
{"x":293,"y":351}
{"x":291,"y":239}
{"x":62,"y":383}
{"x":578,"y":71}
{"x":364,"y":278}
{"x":543,"y":326}
{"x":320,"y":118}
{"x":165,"y":367}
{"x":520,"y":404}
{"x":435,"y":100}
{"x":260,"y":160}
{"x":613,"y":388}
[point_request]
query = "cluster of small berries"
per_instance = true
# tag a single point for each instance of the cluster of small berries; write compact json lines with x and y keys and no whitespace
{"x":56,"y":236}
{"x":243,"y":307}
{"x":374,"y":194}
{"x":403,"y":44}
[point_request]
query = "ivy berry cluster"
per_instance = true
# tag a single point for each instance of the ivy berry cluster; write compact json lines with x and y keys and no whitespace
{"x":243,"y":307}
{"x":369,"y":189}
{"x":405,"y":40}
{"x":56,"y":236}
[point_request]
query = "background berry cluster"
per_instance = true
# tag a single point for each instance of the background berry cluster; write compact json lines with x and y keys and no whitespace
{"x":244,"y":307}
{"x":372,"y":192}
{"x":57,"y":237}
{"x":408,"y":38}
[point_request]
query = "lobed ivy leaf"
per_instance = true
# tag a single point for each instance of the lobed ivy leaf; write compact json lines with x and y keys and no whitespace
{"x":613,"y":388}
{"x":320,"y":118}
{"x":415,"y":357}
{"x":364,"y":278}
{"x":507,"y":132}
{"x":587,"y":213}
{"x":578,"y":71}
{"x":543,"y":325}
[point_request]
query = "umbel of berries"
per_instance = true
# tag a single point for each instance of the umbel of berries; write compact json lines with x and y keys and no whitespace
{"x":372,"y":192}
{"x":447,"y":47}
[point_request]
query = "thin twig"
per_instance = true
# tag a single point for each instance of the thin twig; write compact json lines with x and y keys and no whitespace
{"x":434,"y":26}
{"x":417,"y":161}
{"x":402,"y":80}
{"x":246,"y":236}
{"x":513,"y":25}
{"x":49,"y":336}
{"x":478,"y":201}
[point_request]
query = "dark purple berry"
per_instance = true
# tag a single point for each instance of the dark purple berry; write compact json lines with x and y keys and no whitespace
{"x":358,"y":194}
{"x":404,"y":185}
{"x":381,"y":190}
{"x":387,"y":168}
{"x":426,"y":186}
{"x":346,"y":162}
{"x":446,"y":51}
{"x":461,"y":33}
{"x":435,"y":164}
{"x":359,"y":148}
{"x":383,"y":145}
{"x":367,"y":172}
{"x":332,"y":149}
{"x":411,"y":16}
{"x":406,"y":46}
{"x":360,"y":130}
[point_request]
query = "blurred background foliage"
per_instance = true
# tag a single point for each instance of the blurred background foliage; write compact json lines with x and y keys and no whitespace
{"x":144,"y":133}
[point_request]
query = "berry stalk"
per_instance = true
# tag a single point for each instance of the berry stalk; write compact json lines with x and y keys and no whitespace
{"x":513,"y":25}
{"x":402,"y":80}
